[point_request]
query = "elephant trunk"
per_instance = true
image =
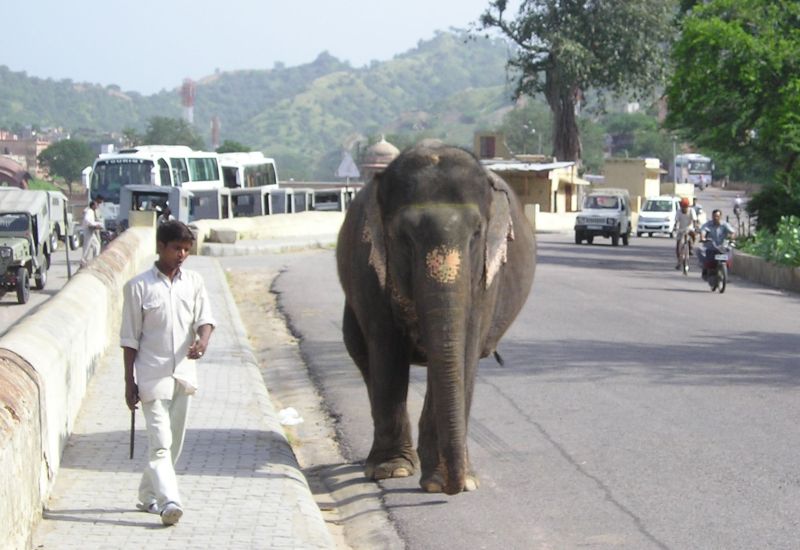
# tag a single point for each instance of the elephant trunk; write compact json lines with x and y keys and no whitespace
{"x":444,"y":327}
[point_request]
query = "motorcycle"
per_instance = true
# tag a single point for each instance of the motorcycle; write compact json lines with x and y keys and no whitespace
{"x":716,"y":268}
{"x":106,"y":236}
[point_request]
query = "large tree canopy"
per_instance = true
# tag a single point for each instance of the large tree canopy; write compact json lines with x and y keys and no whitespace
{"x":566,"y":48}
{"x":736,"y":90}
{"x":67,"y":159}
{"x":171,"y":131}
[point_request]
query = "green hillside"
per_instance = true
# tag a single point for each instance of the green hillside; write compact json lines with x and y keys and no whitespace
{"x":304,"y":116}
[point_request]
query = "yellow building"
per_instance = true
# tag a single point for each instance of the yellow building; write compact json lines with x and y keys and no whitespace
{"x":641,"y":177}
{"x":553,"y":186}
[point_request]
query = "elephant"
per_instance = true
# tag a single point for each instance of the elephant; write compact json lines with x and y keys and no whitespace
{"x":436,"y":259}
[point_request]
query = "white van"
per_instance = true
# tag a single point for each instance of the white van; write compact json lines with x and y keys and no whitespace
{"x":658,"y":215}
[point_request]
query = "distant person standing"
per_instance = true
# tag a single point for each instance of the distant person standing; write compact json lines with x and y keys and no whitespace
{"x":91,"y":226}
{"x":166,"y":326}
{"x":165,"y":216}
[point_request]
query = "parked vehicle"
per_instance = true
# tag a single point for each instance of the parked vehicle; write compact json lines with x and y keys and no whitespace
{"x":25,"y":237}
{"x":658,"y":215}
{"x":63,"y":226}
{"x":159,"y":165}
{"x":154,"y":198}
{"x":605,"y":213}
{"x":247,"y":170}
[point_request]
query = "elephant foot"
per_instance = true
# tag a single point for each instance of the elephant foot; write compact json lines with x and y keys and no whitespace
{"x":434,"y":483}
{"x":393,"y":467}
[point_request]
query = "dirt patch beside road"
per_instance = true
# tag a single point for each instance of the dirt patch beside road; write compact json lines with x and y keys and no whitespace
{"x":278,"y":356}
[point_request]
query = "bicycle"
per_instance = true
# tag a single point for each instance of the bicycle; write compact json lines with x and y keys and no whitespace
{"x":685,"y":252}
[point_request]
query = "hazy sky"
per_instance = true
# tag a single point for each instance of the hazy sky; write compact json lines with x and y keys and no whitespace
{"x":150,"y":45}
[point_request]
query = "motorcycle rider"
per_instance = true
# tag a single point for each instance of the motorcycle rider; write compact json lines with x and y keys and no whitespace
{"x":713,"y":235}
{"x":685,"y":222}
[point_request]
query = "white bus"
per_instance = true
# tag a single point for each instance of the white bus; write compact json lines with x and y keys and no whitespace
{"x":693,"y":168}
{"x":243,"y":170}
{"x":163,"y":165}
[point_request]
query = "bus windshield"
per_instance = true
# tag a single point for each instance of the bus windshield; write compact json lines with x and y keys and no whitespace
{"x":700,"y":166}
{"x":109,"y":175}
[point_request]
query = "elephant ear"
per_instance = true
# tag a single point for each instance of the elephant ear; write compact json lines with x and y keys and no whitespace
{"x":372,"y":232}
{"x":500,"y":229}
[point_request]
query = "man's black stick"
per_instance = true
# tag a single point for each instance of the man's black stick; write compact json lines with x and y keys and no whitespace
{"x":133,"y":430}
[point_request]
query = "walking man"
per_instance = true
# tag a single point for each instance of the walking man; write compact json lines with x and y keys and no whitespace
{"x":91,"y":226}
{"x":166,"y":327}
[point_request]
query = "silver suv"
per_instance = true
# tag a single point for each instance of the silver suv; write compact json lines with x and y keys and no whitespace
{"x":605,"y":213}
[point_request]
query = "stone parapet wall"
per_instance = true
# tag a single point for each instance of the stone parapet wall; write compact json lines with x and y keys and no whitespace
{"x":46,"y":362}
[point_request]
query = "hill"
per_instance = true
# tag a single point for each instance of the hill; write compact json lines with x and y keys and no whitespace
{"x":304,"y":116}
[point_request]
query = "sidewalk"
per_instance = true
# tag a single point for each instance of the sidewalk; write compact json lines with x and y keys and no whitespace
{"x":240,"y":483}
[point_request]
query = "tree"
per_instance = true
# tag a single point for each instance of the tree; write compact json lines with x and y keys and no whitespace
{"x":67,"y":159}
{"x":527,"y":128}
{"x":736,"y":89}
{"x":566,"y":48}
{"x":230,"y":146}
{"x":131,"y":137}
{"x":171,"y":131}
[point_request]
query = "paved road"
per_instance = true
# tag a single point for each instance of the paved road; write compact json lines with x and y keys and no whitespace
{"x":636,"y":409}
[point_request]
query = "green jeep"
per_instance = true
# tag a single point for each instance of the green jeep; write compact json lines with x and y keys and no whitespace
{"x":24,"y":241}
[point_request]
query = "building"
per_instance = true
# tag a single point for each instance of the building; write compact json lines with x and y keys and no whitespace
{"x":376,"y":158}
{"x":26,"y":150}
{"x":13,"y":174}
{"x":536,"y":179}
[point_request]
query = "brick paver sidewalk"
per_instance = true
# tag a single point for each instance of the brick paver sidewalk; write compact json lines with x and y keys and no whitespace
{"x":239,"y":480}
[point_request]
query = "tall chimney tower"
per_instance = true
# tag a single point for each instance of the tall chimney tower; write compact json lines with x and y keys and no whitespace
{"x":214,"y":132}
{"x":187,"y":96}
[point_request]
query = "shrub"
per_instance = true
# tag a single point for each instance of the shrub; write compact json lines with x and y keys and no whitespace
{"x":781,"y":246}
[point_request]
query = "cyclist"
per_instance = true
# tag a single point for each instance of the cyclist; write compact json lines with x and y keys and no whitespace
{"x":713,"y":234}
{"x":686,"y":224}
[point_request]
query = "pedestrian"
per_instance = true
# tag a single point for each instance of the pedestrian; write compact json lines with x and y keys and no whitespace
{"x":91,"y":227}
{"x":166,"y":327}
{"x":165,"y":216}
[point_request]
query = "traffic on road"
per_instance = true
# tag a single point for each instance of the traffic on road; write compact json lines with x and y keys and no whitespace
{"x":635,"y":408}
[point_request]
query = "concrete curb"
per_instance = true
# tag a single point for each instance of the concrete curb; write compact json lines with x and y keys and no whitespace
{"x":758,"y":270}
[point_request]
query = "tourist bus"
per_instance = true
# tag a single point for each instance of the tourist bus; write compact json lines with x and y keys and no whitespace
{"x":161,"y":165}
{"x":693,"y":168}
{"x":243,"y":170}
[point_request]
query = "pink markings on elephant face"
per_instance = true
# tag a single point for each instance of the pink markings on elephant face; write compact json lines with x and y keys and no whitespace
{"x":443,"y":264}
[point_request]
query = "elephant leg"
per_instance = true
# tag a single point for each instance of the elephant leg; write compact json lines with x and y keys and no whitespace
{"x":355,"y":343}
{"x":392,"y":453}
{"x":432,"y":479}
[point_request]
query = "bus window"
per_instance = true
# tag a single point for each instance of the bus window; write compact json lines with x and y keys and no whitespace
{"x":164,"y":172}
{"x":203,"y":169}
{"x":180,"y":171}
{"x":229,"y":177}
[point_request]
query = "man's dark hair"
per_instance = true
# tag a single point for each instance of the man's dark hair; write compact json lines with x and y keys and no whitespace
{"x":173,"y":230}
{"x":715,"y":211}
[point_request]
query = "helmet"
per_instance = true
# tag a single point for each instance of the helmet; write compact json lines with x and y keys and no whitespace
{"x":684,"y":201}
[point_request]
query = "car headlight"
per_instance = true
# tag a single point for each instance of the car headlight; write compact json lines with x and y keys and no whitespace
{"x":580,"y":220}
{"x":665,"y":219}
{"x":611,"y":221}
{"x":5,"y":252}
